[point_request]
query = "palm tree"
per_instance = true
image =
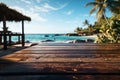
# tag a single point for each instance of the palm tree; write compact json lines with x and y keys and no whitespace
{"x":99,"y":6}
{"x":78,"y":30}
{"x":109,"y":30}
{"x":113,"y":6}
{"x":86,"y":23}
{"x":90,"y":29}
{"x":102,"y":5}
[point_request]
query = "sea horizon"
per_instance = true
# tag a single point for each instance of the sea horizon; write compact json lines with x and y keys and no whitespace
{"x":52,"y":37}
{"x":46,"y":33}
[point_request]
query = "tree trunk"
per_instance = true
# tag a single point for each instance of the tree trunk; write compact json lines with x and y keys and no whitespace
{"x":106,"y":19}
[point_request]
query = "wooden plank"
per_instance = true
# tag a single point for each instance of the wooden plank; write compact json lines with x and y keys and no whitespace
{"x":71,"y":59}
{"x":61,"y":67}
{"x":67,"y":52}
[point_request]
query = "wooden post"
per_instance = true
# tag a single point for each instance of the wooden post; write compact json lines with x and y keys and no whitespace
{"x":23,"y":35}
{"x":1,"y":39}
{"x":18,"y":38}
{"x":4,"y":32}
{"x":10,"y":40}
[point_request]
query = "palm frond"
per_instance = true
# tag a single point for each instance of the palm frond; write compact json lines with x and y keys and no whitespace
{"x":91,"y":4}
{"x":93,"y":9}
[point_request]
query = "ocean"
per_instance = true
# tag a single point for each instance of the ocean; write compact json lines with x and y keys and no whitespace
{"x":50,"y":37}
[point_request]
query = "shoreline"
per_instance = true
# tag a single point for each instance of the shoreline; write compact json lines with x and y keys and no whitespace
{"x":71,"y":39}
{"x":91,"y":36}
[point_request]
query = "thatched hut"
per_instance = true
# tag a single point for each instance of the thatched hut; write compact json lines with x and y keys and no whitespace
{"x":8,"y":14}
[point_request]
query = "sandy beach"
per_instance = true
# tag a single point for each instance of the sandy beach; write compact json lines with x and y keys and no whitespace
{"x":92,"y":36}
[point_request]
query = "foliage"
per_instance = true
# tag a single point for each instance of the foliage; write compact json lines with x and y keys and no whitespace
{"x":91,"y":29}
{"x":78,"y":30}
{"x":109,"y":28}
{"x":109,"y":33}
{"x":86,"y":23}
{"x":113,"y":6}
{"x":86,"y":31}
{"x":99,"y":6}
{"x":102,"y":5}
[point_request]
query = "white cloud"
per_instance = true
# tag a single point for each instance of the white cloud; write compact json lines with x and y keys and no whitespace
{"x":34,"y":10}
{"x":92,"y":15}
{"x":37,"y":17}
{"x":26,"y":1}
{"x":69,"y":12}
{"x":32,"y":13}
{"x":41,"y":9}
{"x":63,"y":5}
{"x":46,"y":7}
{"x":38,"y":1}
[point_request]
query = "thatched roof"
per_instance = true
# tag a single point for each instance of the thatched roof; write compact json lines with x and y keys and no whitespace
{"x":11,"y":14}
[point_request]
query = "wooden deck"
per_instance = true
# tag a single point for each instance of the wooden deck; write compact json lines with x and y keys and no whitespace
{"x":59,"y":59}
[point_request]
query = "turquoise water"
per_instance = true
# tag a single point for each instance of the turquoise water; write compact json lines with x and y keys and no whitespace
{"x":54,"y":37}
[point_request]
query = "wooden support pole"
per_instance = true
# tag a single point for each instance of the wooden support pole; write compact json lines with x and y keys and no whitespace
{"x":9,"y":40}
{"x":23,"y":35}
{"x":0,"y":39}
{"x":4,"y":31}
{"x":18,"y":38}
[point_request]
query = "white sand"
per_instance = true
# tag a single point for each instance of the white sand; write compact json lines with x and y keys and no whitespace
{"x":92,"y":36}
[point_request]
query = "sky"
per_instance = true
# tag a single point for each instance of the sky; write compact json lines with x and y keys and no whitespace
{"x":50,"y":16}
